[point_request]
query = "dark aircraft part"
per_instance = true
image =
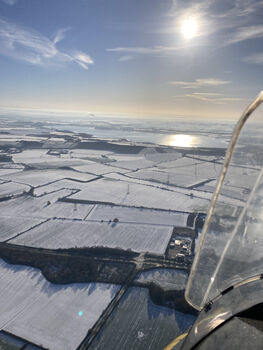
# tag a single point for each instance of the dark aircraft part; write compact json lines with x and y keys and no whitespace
{"x":239,"y":333}
{"x":232,"y":317}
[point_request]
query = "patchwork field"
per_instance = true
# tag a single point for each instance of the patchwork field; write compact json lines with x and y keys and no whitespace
{"x":57,"y":317}
{"x":12,"y":226}
{"x":139,"y":216}
{"x":136,"y":195}
{"x":56,"y":234}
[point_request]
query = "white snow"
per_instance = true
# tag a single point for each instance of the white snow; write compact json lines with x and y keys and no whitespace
{"x":162,"y":157}
{"x":28,"y":206}
{"x":55,"y":234}
{"x":60,"y":184}
{"x":13,"y":225}
{"x":11,"y":188}
{"x":67,"y":210}
{"x":140,"y":216}
{"x":47,"y":314}
{"x":130,"y":194}
{"x":39,"y":178}
{"x":133,"y":164}
{"x":96,"y":168}
{"x":168,"y":177}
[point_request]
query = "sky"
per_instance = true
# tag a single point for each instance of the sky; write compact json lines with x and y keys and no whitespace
{"x":131,"y":57}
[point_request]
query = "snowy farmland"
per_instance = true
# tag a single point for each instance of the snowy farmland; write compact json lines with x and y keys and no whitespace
{"x":97,"y":168}
{"x":168,"y":177}
{"x":139,"y":216}
{"x":66,"y":210}
{"x":134,"y":164}
{"x":70,"y":190}
{"x":55,"y":234}
{"x":57,"y":317}
{"x":111,"y":191}
{"x":37,"y":178}
{"x":28,"y":206}
{"x":58,"y":185}
{"x":12,"y":226}
{"x":12,"y":189}
{"x":10,"y":170}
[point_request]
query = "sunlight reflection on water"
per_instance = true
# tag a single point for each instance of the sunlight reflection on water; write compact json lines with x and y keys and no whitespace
{"x":184,"y":141}
{"x":180,"y":140}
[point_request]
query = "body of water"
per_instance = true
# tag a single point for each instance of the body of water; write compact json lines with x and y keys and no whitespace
{"x":180,"y":138}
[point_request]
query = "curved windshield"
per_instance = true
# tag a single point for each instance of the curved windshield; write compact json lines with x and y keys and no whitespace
{"x":231,"y":244}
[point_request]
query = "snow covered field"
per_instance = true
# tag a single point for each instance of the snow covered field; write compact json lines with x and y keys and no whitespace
{"x":140,"y":216}
{"x":12,"y":225}
{"x":60,"y":184}
{"x":97,"y":168}
{"x":136,"y":195}
{"x":28,"y":206}
{"x":37,"y":178}
{"x":168,"y":177}
{"x":66,"y":210}
{"x":12,"y":189}
{"x":57,"y":317}
{"x":134,"y":164}
{"x":56,"y":234}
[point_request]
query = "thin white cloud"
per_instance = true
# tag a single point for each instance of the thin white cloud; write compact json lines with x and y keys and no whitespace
{"x":198,"y":83}
{"x":245,"y":33}
{"x":60,"y":35}
{"x":126,"y":58}
{"x":213,"y":97}
{"x":28,"y":45}
{"x":256,"y":58}
{"x":130,"y":53}
{"x":240,"y":8}
{"x":141,"y":50}
{"x":82,"y":59}
{"x":10,"y":2}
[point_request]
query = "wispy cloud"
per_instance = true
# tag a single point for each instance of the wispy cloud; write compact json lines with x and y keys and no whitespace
{"x":239,"y":8}
{"x":28,"y":45}
{"x":256,"y":58}
{"x":245,"y":33}
{"x":212,"y":97}
{"x":198,"y":83}
{"x":10,"y":2}
{"x":60,"y":35}
{"x":82,"y":59}
{"x":126,"y":58}
{"x":142,"y":50}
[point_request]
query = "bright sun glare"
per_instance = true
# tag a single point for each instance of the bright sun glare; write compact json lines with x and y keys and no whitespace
{"x":181,"y":140}
{"x":189,"y":28}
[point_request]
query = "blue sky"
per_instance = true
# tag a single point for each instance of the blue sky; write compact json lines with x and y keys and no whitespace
{"x":130,"y":57}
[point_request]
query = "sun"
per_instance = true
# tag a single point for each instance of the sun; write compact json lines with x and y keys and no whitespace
{"x":189,"y":28}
